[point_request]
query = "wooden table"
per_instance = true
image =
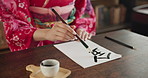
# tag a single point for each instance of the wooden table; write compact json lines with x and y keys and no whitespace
{"x":133,"y":64}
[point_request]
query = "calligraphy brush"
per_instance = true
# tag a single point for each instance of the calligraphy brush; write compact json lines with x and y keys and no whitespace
{"x":85,"y":45}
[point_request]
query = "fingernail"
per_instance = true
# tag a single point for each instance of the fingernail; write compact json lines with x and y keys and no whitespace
{"x":89,"y":37}
{"x":85,"y":39}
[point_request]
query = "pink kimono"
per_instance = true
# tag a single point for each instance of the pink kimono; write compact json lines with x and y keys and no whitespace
{"x":19,"y":19}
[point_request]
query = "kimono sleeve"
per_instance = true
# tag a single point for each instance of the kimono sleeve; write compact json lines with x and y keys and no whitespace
{"x":17,"y":24}
{"x":85,"y":16}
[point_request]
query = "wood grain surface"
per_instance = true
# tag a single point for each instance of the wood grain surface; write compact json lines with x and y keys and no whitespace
{"x":133,"y":64}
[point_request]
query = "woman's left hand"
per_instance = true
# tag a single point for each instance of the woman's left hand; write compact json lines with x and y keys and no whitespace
{"x":84,"y":35}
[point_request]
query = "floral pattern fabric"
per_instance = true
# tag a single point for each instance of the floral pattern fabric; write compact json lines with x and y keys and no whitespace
{"x":19,"y":25}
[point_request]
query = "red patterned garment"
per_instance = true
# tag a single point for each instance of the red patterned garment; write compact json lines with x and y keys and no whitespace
{"x":19,"y":23}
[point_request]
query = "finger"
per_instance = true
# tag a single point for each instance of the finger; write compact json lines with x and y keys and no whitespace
{"x":60,"y":34}
{"x":86,"y":36}
{"x":64,"y":26}
{"x":80,"y":34}
{"x":71,"y":30}
{"x":66,"y":36}
{"x":71,"y":36}
{"x":83,"y":35}
{"x":89,"y":36}
{"x":59,"y":21}
{"x":73,"y":26}
{"x":61,"y":38}
{"x":64,"y":31}
{"x":59,"y":27}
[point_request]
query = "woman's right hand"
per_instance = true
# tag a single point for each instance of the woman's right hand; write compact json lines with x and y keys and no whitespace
{"x":61,"y":32}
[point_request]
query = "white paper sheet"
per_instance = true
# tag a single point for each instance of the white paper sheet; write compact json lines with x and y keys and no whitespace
{"x":79,"y":54}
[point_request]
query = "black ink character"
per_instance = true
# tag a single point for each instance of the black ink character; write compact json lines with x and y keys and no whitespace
{"x":97,"y":54}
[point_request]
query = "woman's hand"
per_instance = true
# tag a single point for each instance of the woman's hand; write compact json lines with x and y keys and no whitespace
{"x":59,"y":31}
{"x":83,"y":34}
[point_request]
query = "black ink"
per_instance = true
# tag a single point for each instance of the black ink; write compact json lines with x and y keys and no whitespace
{"x":95,"y":58}
{"x":101,"y":54}
{"x":108,"y":55}
{"x":97,"y":54}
